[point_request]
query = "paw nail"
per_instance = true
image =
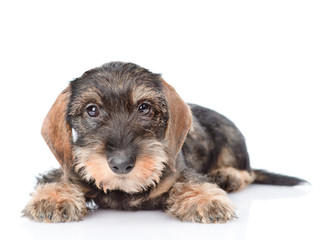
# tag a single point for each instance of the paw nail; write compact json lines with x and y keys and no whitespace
{"x":42,"y":217}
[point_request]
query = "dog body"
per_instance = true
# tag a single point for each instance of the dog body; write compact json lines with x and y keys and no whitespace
{"x":126,"y":140}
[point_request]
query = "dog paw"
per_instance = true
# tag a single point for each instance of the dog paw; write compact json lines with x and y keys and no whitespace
{"x":200,"y":202}
{"x":231,"y":179}
{"x":56,"y":202}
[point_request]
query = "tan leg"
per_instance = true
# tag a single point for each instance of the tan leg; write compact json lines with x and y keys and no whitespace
{"x":199,"y":202}
{"x":56,"y":202}
{"x":231,"y":179}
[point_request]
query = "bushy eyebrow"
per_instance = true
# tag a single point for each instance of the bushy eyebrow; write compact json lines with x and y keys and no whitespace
{"x":141,"y":92}
{"x":81,"y":98}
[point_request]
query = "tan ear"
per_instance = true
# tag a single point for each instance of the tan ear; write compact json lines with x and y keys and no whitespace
{"x":180,"y":120}
{"x":57,"y":132}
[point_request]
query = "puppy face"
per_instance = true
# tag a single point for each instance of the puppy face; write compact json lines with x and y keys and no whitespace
{"x":124,"y":126}
{"x":118,"y":121}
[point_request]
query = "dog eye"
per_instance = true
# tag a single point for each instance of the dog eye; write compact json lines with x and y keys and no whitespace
{"x":144,"y":109}
{"x":93,"y":111}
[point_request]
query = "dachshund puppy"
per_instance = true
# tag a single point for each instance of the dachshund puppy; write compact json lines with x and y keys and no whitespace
{"x":126,"y":140}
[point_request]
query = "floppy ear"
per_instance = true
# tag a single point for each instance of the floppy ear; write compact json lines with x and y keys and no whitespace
{"x":180,"y":119}
{"x":57,"y":132}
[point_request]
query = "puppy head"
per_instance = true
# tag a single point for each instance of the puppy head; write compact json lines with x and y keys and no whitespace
{"x":118,"y":125}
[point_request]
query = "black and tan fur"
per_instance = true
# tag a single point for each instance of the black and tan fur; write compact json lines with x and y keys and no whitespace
{"x":126,"y":140}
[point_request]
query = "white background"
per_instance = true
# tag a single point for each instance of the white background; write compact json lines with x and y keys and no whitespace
{"x":257,"y":62}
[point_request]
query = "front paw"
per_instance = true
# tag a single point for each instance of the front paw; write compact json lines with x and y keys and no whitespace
{"x":200,"y":202}
{"x":56,"y":202}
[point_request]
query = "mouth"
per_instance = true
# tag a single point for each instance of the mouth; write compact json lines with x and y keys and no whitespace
{"x":134,"y":175}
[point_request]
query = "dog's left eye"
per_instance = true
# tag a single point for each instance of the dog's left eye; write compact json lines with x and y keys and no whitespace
{"x":144,"y":109}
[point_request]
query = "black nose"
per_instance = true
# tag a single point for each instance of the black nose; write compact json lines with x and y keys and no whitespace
{"x":121,"y":163}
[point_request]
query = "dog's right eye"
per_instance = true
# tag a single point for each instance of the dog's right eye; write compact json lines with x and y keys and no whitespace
{"x":93,"y":111}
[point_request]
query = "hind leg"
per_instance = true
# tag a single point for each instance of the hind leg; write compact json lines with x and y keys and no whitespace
{"x":228,"y":162}
{"x":228,"y":173}
{"x":231,"y":179}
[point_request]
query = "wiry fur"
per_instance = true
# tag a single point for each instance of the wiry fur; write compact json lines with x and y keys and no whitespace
{"x":93,"y":166}
{"x":231,"y":179}
{"x":126,"y":140}
{"x":199,"y":202}
{"x":56,"y":202}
